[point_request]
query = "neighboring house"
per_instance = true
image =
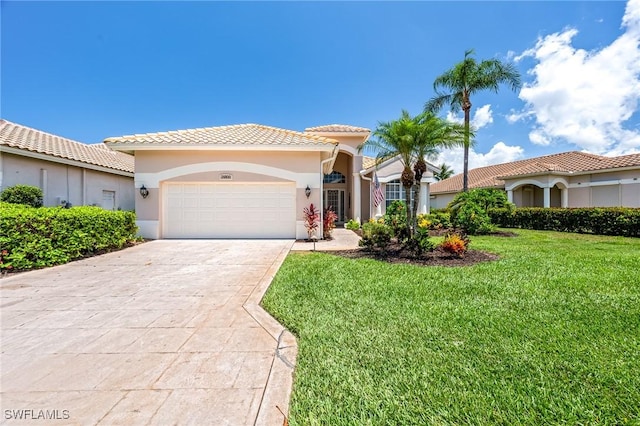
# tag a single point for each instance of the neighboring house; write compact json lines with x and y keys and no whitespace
{"x":249,"y":180}
{"x":68,"y":172}
{"x":568,"y":179}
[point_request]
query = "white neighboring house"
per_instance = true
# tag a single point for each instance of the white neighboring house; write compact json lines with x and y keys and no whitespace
{"x":67,"y":171}
{"x":567,"y":179}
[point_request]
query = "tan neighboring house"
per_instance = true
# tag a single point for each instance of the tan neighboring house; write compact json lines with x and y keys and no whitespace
{"x":67,"y":171}
{"x":568,"y":179}
{"x":250,"y":180}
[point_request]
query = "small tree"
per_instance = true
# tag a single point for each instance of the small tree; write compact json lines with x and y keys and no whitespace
{"x":23,"y":194}
{"x":311,"y":220}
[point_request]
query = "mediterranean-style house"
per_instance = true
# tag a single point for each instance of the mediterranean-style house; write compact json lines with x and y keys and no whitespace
{"x":68,"y":172}
{"x":568,"y":179}
{"x":253,"y":181}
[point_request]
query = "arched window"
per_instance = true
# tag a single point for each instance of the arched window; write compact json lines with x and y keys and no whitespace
{"x":334,"y":177}
{"x":394,"y":191}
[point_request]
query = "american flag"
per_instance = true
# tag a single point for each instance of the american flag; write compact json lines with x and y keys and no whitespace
{"x":378,"y":194}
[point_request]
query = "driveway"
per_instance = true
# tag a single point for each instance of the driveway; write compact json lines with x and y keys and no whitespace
{"x":167,"y":332}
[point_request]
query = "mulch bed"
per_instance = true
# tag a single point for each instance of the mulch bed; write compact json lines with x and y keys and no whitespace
{"x":397,"y":254}
{"x":438,"y":257}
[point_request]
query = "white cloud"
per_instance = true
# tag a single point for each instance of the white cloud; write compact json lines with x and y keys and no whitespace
{"x":585,"y":97}
{"x":499,"y":153}
{"x":482,"y":117}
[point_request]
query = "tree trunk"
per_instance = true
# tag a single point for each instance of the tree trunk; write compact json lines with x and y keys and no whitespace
{"x":407,"y":200}
{"x":416,"y":202}
{"x":465,"y":172}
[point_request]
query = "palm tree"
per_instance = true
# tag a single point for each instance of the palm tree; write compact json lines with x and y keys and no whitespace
{"x":395,"y":138}
{"x":433,"y":134}
{"x":445,"y":172}
{"x":465,"y":79}
{"x":413,"y":139}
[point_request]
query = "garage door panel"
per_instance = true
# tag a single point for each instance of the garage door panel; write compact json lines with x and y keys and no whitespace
{"x":227,"y":210}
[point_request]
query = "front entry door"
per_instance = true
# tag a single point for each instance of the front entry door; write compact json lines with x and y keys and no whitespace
{"x":334,"y":198}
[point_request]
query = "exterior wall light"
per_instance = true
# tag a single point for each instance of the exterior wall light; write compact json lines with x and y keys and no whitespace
{"x":307,"y":191}
{"x":144,"y":192}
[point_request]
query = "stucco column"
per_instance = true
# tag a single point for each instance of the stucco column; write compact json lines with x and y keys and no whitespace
{"x":547,"y":197}
{"x":423,"y":208}
{"x":510,"y":195}
{"x":564,"y":194}
{"x":357,"y":197}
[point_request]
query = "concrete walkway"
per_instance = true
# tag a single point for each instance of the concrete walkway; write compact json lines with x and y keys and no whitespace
{"x":167,"y":332}
{"x":342,"y":239}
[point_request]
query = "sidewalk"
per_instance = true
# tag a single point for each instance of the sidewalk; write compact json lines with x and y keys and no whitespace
{"x":343,"y":239}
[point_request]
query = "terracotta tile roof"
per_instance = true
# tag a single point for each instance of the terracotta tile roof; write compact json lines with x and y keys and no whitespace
{"x":26,"y":138}
{"x":566,"y":162}
{"x":233,"y":135}
{"x":368,"y":162}
{"x":337,"y":128}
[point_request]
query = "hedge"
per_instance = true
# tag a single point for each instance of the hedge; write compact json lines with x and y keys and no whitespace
{"x":38,"y":237}
{"x":595,"y":220}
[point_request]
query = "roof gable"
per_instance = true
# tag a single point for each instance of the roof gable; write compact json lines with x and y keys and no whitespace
{"x":25,"y":138}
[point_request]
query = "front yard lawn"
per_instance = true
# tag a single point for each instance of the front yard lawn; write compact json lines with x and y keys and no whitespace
{"x":548,"y":334}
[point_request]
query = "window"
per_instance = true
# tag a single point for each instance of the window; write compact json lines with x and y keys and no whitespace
{"x":394,"y":191}
{"x":334,"y":177}
{"x":109,"y":200}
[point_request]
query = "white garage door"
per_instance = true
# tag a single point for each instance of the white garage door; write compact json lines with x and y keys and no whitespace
{"x":229,"y":210}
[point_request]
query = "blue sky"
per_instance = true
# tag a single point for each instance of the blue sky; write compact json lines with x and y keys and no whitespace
{"x":90,"y":70}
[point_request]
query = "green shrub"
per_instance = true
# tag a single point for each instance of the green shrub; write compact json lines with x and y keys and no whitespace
{"x":420,"y":243}
{"x":489,"y":198}
{"x":352,"y":225}
{"x":472,"y":219}
{"x":34,"y":238}
{"x":22,"y":194}
{"x":434,"y":220}
{"x":376,"y":236}
{"x":396,"y":218}
{"x":595,"y":220}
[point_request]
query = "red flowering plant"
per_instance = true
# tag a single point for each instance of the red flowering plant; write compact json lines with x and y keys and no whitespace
{"x":329,"y":222}
{"x":311,"y":219}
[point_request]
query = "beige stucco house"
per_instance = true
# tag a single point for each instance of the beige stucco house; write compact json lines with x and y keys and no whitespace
{"x":67,"y":171}
{"x":252,"y":181}
{"x":568,"y":179}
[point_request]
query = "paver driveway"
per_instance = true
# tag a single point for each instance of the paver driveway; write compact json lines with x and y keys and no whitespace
{"x":167,"y":332}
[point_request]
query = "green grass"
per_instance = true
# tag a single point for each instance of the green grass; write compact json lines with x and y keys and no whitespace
{"x":549,"y":334}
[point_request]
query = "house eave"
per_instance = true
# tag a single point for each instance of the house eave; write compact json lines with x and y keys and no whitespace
{"x":192,"y":147}
{"x":569,"y":173}
{"x":62,"y":160}
{"x":455,"y":191}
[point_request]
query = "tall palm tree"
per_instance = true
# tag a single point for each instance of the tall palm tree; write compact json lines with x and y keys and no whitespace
{"x":464,"y":80}
{"x":445,"y":172}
